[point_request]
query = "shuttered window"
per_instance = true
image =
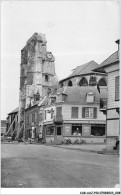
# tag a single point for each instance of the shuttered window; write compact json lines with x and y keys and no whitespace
{"x":74,"y":112}
{"x":89,"y":112}
{"x":117,"y":88}
{"x":58,"y":111}
{"x":45,"y":114}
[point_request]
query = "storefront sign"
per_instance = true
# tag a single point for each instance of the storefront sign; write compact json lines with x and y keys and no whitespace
{"x":86,"y":121}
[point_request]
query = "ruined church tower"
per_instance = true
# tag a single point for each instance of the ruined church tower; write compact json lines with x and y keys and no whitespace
{"x":36,"y":72}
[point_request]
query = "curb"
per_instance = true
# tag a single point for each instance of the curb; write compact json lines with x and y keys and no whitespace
{"x":83,"y":150}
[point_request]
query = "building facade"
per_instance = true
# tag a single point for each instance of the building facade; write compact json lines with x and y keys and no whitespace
{"x":12,"y":123}
{"x":37,"y":71}
{"x":3,"y":127}
{"x":74,"y":113}
{"x":111,"y":67}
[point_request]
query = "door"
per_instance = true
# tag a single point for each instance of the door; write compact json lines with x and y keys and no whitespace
{"x":58,"y":132}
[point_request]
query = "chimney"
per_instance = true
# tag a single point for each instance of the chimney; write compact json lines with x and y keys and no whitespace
{"x":118,"y":42}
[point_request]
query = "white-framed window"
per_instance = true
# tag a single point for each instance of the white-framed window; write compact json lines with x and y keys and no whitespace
{"x":89,"y":112}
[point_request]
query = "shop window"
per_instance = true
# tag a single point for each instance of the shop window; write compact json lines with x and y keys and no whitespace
{"x":74,"y":112}
{"x":50,"y":130}
{"x":98,"y":130}
{"x":70,"y":83}
{"x":83,"y":82}
{"x":117,"y":88}
{"x":102,"y":82}
{"x":76,"y":130}
{"x":90,"y":97}
{"x":89,"y":112}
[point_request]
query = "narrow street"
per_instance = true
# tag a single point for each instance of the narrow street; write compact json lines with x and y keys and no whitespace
{"x":43,"y":166}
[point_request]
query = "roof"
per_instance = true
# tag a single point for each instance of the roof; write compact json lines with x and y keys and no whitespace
{"x":83,"y":69}
{"x":77,"y":94}
{"x":14,"y":111}
{"x":111,"y":59}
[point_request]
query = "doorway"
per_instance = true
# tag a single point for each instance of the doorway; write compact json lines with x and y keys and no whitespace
{"x":58,"y":132}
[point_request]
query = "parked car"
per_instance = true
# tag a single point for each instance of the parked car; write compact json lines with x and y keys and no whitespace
{"x":117,"y":145}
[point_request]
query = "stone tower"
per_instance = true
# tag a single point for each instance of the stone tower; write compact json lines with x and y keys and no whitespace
{"x":37,"y":71}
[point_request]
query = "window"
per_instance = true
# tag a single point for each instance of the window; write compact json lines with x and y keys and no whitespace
{"x":76,"y":130}
{"x":103,"y":103}
{"x":59,"y":111}
{"x":58,"y":130}
{"x":30,"y":118}
{"x":90,"y":97}
{"x":70,"y":83}
{"x":83,"y":82}
{"x":102,"y":82}
{"x":89,"y":112}
{"x":46,"y":78}
{"x":45,"y":115}
{"x":98,"y":130}
{"x":117,"y":88}
{"x":27,"y":119}
{"x":50,"y":130}
{"x":53,"y":100}
{"x":74,"y":112}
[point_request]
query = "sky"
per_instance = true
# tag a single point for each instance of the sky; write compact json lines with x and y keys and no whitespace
{"x":76,"y":32}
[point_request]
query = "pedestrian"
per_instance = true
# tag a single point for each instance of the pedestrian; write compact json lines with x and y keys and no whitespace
{"x":40,"y":137}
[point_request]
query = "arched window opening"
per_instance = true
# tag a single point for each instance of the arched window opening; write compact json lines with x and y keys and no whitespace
{"x":61,"y":84}
{"x":102,"y":82}
{"x":83,"y":82}
{"x":70,"y":83}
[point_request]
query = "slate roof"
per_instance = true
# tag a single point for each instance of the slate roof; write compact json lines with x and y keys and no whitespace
{"x":83,"y":69}
{"x":77,"y":95}
{"x":14,"y":111}
{"x":111,"y":59}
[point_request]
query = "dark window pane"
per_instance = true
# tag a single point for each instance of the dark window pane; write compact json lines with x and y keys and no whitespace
{"x":58,"y":130}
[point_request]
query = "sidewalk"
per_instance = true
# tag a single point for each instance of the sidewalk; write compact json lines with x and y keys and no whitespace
{"x":97,"y":148}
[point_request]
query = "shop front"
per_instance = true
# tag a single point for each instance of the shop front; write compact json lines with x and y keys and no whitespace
{"x":89,"y":131}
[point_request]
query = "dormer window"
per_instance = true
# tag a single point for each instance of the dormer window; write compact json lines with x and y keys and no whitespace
{"x":53,"y":100}
{"x":90,"y":97}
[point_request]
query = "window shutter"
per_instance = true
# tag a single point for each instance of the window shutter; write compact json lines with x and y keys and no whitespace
{"x":117,"y":88}
{"x":74,"y":112}
{"x":83,"y":112}
{"x":58,"y":111}
{"x":95,"y":112}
